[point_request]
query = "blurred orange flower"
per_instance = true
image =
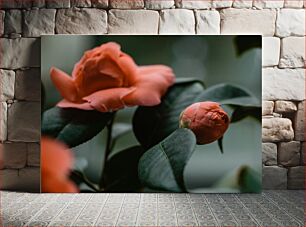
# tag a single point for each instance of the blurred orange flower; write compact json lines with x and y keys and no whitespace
{"x":106,"y":79}
{"x":207,"y":120}
{"x":56,"y":162}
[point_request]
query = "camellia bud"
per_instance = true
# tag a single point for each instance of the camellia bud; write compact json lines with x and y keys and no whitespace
{"x":207,"y":120}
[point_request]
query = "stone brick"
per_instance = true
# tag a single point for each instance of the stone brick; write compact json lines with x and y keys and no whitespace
{"x":39,"y":22}
{"x":7,"y":81}
{"x":274,"y":177}
{"x":56,"y":4}
{"x":38,"y":3}
{"x":269,"y":154}
{"x":3,"y":121}
{"x":222,"y":3}
{"x":25,"y":180}
{"x":261,"y":4}
{"x":19,"y":53}
{"x":283,"y":84}
{"x":27,"y":86}
{"x":242,"y":4}
{"x":276,"y":115}
{"x":293,"y":4}
{"x":33,"y":154}
{"x":126,"y":4}
{"x":99,"y":3}
{"x":208,"y":22}
{"x":285,"y":107}
{"x":289,"y":153}
{"x":133,"y":22}
{"x":267,"y":107}
{"x":248,"y":21}
{"x":192,"y":4}
{"x":13,"y":21}
{"x":159,"y":4}
{"x":2,"y":15}
{"x":270,"y":51}
{"x":276,"y":130}
{"x":293,"y":52}
{"x":80,"y":3}
{"x":177,"y":21}
{"x":24,"y":122}
{"x":299,"y":122}
{"x":296,"y":177}
{"x":290,"y":22}
{"x":81,"y":21}
{"x":14,"y":155}
{"x":15,"y":4}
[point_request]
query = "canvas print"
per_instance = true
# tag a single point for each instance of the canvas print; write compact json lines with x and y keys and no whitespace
{"x":151,"y":114}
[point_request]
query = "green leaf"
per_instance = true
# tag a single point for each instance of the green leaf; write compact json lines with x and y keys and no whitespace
{"x":184,"y":80}
{"x":121,"y":173}
{"x":242,"y":112}
{"x":79,"y":178}
{"x":250,"y":180}
{"x":162,"y":167}
{"x":244,"y":43}
{"x":73,"y":126}
{"x":226,"y":94}
{"x":244,"y":178}
{"x":152,"y":124}
{"x":220,"y":144}
{"x":242,"y":101}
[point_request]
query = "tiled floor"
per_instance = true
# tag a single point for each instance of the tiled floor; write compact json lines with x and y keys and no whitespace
{"x":271,"y":208}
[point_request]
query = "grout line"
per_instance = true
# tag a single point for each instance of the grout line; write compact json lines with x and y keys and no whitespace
{"x":102,"y":208}
{"x":60,"y":211}
{"x":195,"y":217}
{"x":120,"y":209}
{"x":230,"y":210}
{"x":81,"y":210}
{"x":175,"y":210}
{"x":213,"y":214}
{"x":281,"y":208}
{"x":137,"y":211}
{"x":40,"y":211}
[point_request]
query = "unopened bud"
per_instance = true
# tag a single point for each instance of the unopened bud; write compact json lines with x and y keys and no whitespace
{"x":207,"y":120}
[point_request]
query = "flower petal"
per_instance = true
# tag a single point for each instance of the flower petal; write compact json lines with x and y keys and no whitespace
{"x":129,"y":67}
{"x":163,"y":70}
{"x":99,"y":74}
{"x":64,"y":84}
{"x":67,"y":104}
{"x":151,"y":84}
{"x":54,"y":184}
{"x":111,"y":47}
{"x":108,"y":100}
{"x":56,"y":158}
{"x":102,"y":68}
{"x":56,"y":161}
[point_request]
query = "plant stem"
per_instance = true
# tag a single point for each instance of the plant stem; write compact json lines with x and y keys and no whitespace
{"x":85,"y":180}
{"x":108,"y":149}
{"x":109,"y":138}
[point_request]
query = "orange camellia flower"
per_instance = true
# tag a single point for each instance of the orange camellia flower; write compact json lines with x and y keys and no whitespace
{"x":207,"y":120}
{"x":56,"y":161}
{"x":106,"y":79}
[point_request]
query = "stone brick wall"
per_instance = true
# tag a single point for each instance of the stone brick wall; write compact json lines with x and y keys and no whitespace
{"x":281,"y":22}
